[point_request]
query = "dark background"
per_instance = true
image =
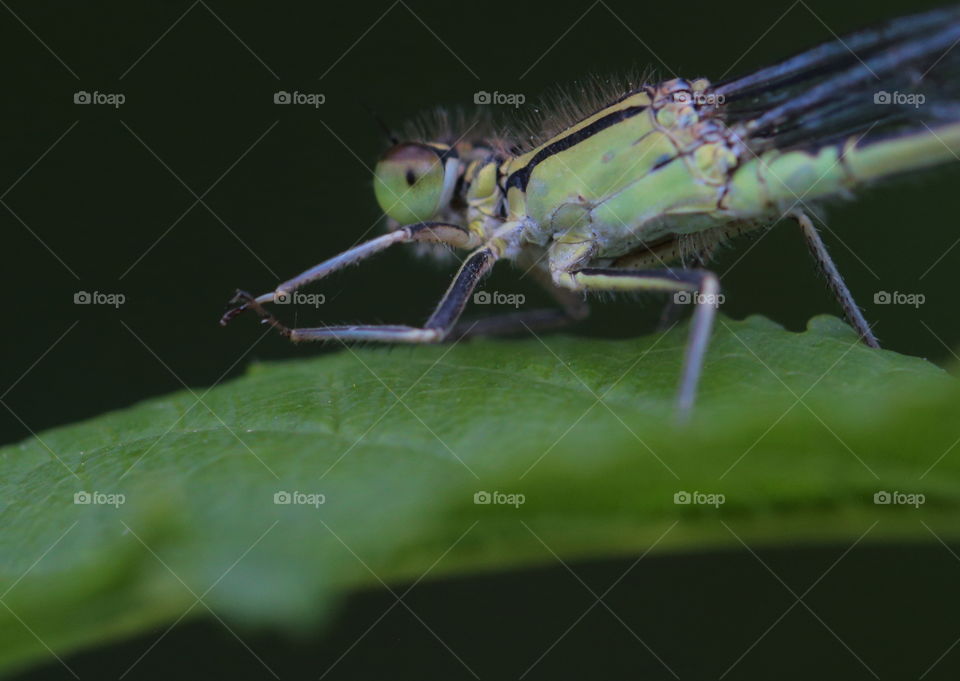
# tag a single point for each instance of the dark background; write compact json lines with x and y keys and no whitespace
{"x":103,"y":199}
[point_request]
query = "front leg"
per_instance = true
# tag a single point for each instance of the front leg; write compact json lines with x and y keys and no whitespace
{"x":431,"y":232}
{"x":441,"y":322}
{"x":703,"y":283}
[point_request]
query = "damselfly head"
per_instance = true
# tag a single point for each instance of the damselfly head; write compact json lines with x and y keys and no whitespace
{"x":414,"y":181}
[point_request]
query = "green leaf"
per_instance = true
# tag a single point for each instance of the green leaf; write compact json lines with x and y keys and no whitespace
{"x":798,"y":432}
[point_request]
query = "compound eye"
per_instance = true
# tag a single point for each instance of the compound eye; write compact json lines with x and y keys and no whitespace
{"x":409,"y":183}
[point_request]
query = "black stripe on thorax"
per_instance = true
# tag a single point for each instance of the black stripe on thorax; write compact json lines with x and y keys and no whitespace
{"x":521,"y":177}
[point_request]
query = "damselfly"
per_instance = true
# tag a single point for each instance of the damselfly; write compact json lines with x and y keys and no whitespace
{"x":633,"y":189}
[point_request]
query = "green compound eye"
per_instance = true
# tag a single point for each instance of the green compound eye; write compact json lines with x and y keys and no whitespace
{"x":410,"y":183}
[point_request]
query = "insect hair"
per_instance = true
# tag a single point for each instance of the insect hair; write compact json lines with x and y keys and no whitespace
{"x":565,"y":105}
{"x":455,"y":125}
{"x":557,"y":109}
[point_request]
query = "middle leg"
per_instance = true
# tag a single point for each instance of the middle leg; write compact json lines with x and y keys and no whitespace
{"x":693,"y":281}
{"x":573,"y":308}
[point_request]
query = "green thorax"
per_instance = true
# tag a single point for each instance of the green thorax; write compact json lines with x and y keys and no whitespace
{"x":651,"y":164}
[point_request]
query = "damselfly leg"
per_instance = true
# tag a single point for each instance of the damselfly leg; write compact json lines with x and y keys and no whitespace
{"x":437,"y":232}
{"x":834,"y":281}
{"x":701,"y":288}
{"x":573,"y":308}
{"x":436,"y":329}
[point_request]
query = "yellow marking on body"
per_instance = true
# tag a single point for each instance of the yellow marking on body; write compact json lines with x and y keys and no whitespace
{"x":634,"y":100}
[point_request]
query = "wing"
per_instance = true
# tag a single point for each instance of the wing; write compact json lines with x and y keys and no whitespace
{"x":879,"y":82}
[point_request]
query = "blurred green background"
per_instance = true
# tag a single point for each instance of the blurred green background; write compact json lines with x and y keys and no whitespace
{"x":111,"y":207}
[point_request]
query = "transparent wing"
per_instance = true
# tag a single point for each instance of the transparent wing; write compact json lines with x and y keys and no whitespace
{"x":879,"y":82}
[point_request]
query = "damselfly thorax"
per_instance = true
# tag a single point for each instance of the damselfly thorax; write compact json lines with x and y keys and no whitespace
{"x":636,"y":191}
{"x":638,"y":177}
{"x":574,"y":187}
